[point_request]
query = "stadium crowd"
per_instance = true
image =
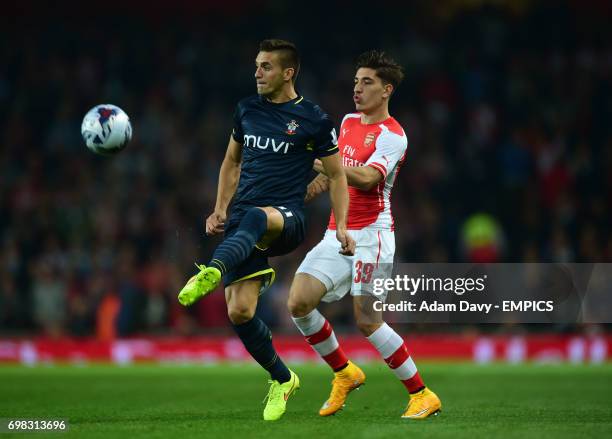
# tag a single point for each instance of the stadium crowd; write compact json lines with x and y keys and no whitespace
{"x":507,"y":113}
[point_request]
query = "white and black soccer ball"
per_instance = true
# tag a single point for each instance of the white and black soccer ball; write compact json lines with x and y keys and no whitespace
{"x":106,"y":129}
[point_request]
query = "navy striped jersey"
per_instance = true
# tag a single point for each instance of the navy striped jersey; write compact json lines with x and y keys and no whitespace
{"x":279,"y":145}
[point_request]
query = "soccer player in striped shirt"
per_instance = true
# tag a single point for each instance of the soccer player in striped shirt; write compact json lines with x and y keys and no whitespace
{"x":373,"y":146}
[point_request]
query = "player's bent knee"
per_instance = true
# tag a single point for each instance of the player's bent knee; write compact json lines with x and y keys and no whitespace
{"x":240,"y":314}
{"x":305,"y":294}
{"x":298,"y":307}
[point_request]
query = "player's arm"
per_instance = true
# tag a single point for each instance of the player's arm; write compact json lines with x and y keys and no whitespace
{"x":228,"y":182}
{"x":317,"y":186}
{"x":338,"y":193}
{"x":361,"y":177}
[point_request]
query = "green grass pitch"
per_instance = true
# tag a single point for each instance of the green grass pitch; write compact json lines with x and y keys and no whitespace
{"x":225,"y":401}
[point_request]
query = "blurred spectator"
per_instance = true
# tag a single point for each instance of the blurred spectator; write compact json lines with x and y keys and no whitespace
{"x":482,"y":239}
{"x":49,"y":298}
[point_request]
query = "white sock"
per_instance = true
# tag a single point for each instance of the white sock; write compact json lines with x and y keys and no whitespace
{"x":320,"y":335}
{"x":393,"y":349}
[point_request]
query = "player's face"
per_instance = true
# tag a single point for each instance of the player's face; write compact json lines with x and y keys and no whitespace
{"x":269,"y":74}
{"x":369,"y":92}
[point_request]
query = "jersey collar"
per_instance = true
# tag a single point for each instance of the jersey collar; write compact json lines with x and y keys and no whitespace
{"x":293,"y":101}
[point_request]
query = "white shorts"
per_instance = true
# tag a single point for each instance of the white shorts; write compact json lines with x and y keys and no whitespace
{"x":340,"y":274}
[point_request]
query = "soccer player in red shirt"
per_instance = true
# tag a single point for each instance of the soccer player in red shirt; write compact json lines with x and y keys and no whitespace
{"x":373,"y":146}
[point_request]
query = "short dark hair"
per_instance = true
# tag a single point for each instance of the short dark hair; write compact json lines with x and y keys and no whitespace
{"x":288,"y":53}
{"x":389,"y":71}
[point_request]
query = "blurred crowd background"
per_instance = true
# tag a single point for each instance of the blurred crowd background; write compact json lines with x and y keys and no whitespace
{"x":507,"y":106}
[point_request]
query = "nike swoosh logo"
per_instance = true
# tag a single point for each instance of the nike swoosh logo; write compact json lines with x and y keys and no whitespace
{"x":286,"y":395}
{"x":422,"y":412}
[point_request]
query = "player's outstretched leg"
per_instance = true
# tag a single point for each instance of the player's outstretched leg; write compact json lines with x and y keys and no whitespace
{"x":228,"y":255}
{"x":423,"y":402}
{"x":257,"y":339}
{"x":347,"y":376}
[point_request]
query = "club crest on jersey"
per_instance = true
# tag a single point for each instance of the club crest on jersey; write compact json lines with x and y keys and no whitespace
{"x":291,"y":127}
{"x":369,"y":138}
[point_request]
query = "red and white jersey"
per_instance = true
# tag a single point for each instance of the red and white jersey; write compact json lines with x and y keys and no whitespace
{"x":382,"y":146}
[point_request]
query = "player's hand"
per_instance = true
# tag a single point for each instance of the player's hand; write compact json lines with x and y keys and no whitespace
{"x":315,"y":187}
{"x":215,"y":223}
{"x":346,"y":241}
{"x":318,"y":166}
{"x":311,"y":192}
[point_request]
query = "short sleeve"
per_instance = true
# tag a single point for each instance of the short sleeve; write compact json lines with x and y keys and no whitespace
{"x":390,"y":148}
{"x":237,"y":132}
{"x":326,"y":140}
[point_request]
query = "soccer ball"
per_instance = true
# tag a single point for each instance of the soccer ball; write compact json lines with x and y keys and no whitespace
{"x":106,"y":129}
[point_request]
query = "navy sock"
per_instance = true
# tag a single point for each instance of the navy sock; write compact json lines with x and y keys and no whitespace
{"x":237,"y":248}
{"x":257,"y":339}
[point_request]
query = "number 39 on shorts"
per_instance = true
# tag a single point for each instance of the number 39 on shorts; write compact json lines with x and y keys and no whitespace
{"x":363,"y":272}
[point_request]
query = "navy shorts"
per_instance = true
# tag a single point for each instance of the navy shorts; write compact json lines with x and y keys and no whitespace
{"x":257,"y":264}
